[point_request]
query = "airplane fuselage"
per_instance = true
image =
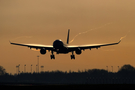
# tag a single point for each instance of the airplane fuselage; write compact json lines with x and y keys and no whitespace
{"x":60,"y":47}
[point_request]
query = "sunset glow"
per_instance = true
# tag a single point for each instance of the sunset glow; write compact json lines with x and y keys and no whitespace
{"x":89,"y":21}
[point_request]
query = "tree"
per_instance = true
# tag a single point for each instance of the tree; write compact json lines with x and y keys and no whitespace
{"x":2,"y":70}
{"x":127,"y":67}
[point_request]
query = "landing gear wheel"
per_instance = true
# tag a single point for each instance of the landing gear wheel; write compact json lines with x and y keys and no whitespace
{"x":52,"y":56}
{"x":72,"y":56}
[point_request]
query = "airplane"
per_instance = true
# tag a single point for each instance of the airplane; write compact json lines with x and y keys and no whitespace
{"x":61,"y":48}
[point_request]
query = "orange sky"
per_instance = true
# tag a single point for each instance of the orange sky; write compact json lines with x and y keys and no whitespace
{"x":43,"y":21}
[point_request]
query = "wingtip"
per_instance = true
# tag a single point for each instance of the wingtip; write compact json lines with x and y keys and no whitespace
{"x":123,"y":37}
{"x":9,"y":41}
{"x":119,"y":41}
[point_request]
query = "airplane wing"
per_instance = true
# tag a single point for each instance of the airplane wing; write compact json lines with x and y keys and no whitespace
{"x":89,"y":46}
{"x":37,"y":46}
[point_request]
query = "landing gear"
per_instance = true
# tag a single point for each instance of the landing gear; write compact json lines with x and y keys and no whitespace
{"x":72,"y":56}
{"x":52,"y":56}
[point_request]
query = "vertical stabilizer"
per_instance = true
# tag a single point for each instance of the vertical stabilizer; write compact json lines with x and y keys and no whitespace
{"x":68,"y":36}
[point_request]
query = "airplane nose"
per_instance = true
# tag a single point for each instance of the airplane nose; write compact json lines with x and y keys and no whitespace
{"x":57,"y":44}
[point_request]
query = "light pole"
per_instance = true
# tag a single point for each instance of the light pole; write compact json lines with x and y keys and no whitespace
{"x":112,"y":68}
{"x":25,"y":68}
{"x":42,"y":67}
{"x":31,"y":68}
{"x":118,"y":68}
{"x":38,"y":62}
{"x":36,"y":68}
{"x":107,"y":68}
{"x":18,"y":68}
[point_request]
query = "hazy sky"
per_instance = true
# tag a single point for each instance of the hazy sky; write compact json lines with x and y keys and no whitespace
{"x":43,"y":21}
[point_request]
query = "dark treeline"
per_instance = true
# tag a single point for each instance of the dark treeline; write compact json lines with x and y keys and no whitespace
{"x":125,"y":75}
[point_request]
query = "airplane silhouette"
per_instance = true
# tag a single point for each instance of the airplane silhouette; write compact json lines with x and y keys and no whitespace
{"x":61,"y":48}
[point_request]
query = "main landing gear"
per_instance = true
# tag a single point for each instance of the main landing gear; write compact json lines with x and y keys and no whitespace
{"x":72,"y":56}
{"x":52,"y":56}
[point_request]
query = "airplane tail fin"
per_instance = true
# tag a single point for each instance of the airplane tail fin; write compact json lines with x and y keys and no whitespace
{"x":68,"y":36}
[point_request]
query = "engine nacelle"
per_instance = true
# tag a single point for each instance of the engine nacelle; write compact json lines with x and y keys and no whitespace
{"x":78,"y":51}
{"x":43,"y":51}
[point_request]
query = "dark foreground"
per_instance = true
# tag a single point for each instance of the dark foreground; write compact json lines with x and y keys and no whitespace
{"x":96,"y":78}
{"x":74,"y":86}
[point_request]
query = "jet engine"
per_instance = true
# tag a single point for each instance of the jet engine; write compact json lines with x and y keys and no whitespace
{"x":78,"y":51}
{"x":43,"y":51}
